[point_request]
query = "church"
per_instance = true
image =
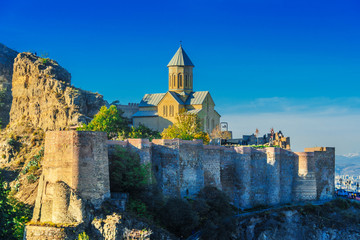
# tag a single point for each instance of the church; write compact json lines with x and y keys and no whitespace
{"x":159,"y":110}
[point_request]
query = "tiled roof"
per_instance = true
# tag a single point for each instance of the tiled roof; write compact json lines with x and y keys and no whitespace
{"x":180,"y":59}
{"x":196,"y":98}
{"x":194,"y":111}
{"x":177,"y":98}
{"x":151,"y":100}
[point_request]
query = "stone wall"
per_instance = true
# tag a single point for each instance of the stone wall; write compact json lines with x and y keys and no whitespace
{"x":249,"y":176}
{"x":75,"y":173}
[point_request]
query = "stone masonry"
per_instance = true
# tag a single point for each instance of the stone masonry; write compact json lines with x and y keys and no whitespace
{"x":75,"y":173}
{"x":249,"y":176}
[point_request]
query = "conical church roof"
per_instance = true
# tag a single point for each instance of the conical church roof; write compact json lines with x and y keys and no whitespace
{"x":180,"y":59}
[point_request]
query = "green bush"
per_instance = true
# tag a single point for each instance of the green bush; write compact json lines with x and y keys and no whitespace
{"x":216,"y":213}
{"x":143,"y":132}
{"x":13,"y":215}
{"x":178,"y":217}
{"x":127,"y":174}
{"x":83,"y":236}
{"x":108,"y":120}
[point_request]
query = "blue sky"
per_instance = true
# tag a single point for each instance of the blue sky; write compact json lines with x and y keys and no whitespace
{"x":291,"y":65}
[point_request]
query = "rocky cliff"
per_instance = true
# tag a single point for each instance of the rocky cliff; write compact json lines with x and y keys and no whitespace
{"x":7,"y":57}
{"x":44,"y":98}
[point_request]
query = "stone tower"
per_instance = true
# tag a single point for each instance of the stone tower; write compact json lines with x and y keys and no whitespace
{"x":180,"y":72}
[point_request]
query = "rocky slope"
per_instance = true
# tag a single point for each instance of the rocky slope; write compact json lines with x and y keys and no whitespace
{"x":339,"y":219}
{"x":7,"y":57}
{"x":44,"y":98}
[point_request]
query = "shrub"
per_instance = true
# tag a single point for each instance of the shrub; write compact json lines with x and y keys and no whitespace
{"x":13,"y":215}
{"x":216,"y":213}
{"x":178,"y":217}
{"x":186,"y":127}
{"x":143,"y":132}
{"x":83,"y":236}
{"x":127,"y":174}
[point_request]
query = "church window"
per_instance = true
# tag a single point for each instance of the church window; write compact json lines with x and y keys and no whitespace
{"x":180,"y":80}
{"x":165,"y":110}
{"x":173,"y":81}
{"x":171,"y":110}
{"x":186,"y":81}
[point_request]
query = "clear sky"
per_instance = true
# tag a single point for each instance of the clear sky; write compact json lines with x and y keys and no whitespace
{"x":291,"y":65}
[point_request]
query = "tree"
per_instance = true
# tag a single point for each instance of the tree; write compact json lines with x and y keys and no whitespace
{"x":217,"y":133}
{"x":186,"y":127}
{"x":108,"y":120}
{"x":143,"y":132}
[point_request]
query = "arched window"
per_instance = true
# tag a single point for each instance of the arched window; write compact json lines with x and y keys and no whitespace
{"x":180,"y":83}
{"x":173,"y":81}
{"x":171,"y":110}
{"x":170,"y":81}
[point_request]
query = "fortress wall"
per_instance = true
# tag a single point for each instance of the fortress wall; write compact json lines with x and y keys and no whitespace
{"x":304,"y":177}
{"x":165,"y":161}
{"x":144,"y":145}
{"x":75,"y":168}
{"x":287,"y":170}
{"x":191,"y":175}
{"x":242,"y":160}
{"x":324,"y":159}
{"x":91,"y":151}
{"x":211,"y":164}
{"x":248,"y":176}
{"x":258,"y":177}
{"x":272,"y":181}
{"x":228,"y":173}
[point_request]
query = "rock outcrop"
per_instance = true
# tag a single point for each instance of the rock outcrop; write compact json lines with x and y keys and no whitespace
{"x":7,"y":57}
{"x":44,"y":98}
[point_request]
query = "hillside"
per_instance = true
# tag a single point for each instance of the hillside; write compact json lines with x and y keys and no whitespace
{"x":348,"y":165}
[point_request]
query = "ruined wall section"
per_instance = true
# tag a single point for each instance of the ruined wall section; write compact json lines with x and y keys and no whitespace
{"x":43,"y":96}
{"x":75,"y":172}
{"x":324,"y":161}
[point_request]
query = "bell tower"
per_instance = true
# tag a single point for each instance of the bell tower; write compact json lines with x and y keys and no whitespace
{"x":180,"y":72}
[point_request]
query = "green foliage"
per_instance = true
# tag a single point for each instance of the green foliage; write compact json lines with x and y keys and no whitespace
{"x":186,"y":127}
{"x":108,"y":120}
{"x":178,"y":217}
{"x":138,"y":207}
{"x":215,"y":212}
{"x":143,"y":132}
{"x":127,"y":174}
{"x":83,"y":236}
{"x":13,"y":215}
{"x":35,"y":163}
